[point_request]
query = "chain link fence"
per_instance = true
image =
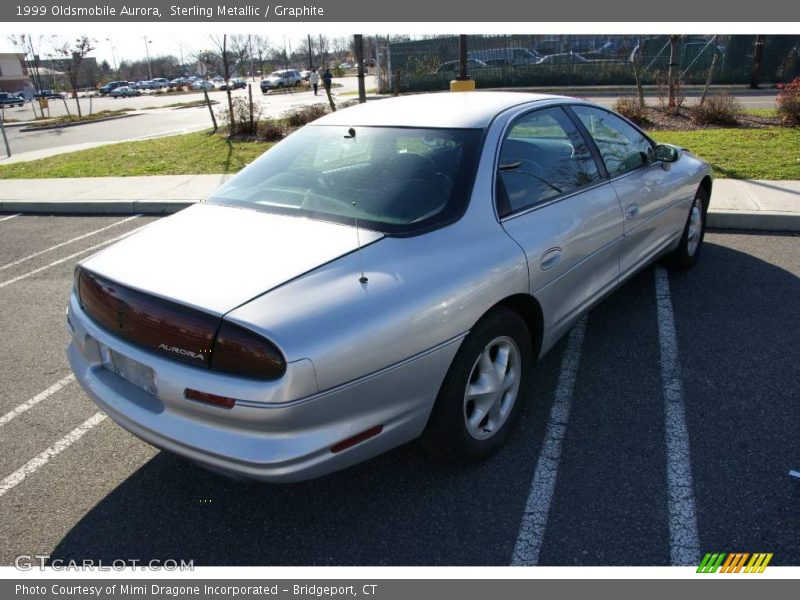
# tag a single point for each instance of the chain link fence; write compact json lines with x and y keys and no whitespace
{"x":498,"y":61}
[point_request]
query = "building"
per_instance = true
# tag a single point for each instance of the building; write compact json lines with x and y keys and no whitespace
{"x":13,"y":73}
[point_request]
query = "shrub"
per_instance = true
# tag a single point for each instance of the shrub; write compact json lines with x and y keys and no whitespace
{"x":629,"y":107}
{"x":721,"y":109}
{"x":270,"y":130}
{"x":302,"y":116}
{"x":789,"y":103}
{"x":240,"y":124}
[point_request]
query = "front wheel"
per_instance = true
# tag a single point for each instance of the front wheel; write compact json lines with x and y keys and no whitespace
{"x":686,"y":254}
{"x":480,"y":396}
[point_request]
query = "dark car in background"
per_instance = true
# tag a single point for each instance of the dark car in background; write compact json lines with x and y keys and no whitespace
{"x":7,"y":99}
{"x":452,"y":67}
{"x":50,"y":94}
{"x":234,"y":84}
{"x":112,"y":85}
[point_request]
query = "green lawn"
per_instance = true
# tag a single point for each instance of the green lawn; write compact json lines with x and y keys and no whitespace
{"x":191,"y":153}
{"x":771,"y":153}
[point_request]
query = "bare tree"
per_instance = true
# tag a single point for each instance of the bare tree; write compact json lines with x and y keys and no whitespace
{"x":674,"y":71}
{"x":71,"y":56}
{"x":636,"y":63}
{"x":227,"y":72}
{"x":261,"y":48}
{"x":241,"y":48}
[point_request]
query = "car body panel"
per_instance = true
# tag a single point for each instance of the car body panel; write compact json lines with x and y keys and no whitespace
{"x":179,"y":258}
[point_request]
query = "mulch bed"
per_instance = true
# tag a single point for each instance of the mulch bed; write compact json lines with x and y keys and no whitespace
{"x":658,"y":118}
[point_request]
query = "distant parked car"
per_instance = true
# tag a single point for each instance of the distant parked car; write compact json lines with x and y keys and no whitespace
{"x":565,"y":58}
{"x":452,"y":67}
{"x":49,"y":94}
{"x":125,"y":91}
{"x":345,"y":65}
{"x":160,"y":82}
{"x":7,"y":99}
{"x":281,"y":79}
{"x":200,"y":84}
{"x":305,"y":74}
{"x":505,"y":56}
{"x":106,"y":89}
{"x":234,"y":84}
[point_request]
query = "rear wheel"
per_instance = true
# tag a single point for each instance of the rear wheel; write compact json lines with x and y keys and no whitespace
{"x":482,"y":390}
{"x":688,"y":250}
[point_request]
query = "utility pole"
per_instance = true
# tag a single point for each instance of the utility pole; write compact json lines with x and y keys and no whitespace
{"x":462,"y":83}
{"x":147,"y":51}
{"x":358,"y":42}
{"x":310,"y":54}
{"x":113,"y":58}
{"x":755,"y":74}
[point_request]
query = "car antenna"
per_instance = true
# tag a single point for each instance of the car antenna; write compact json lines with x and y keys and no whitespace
{"x":363,"y":278}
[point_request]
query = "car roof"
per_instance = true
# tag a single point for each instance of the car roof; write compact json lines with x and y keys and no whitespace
{"x":459,"y":110}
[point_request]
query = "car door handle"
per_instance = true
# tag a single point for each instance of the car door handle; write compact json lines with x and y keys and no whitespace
{"x":550,"y":258}
{"x":632,"y":211}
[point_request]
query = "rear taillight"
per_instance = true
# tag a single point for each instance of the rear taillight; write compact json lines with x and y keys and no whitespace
{"x":240,"y":351}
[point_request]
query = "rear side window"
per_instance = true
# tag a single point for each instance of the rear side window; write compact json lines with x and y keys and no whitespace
{"x":543,"y":156}
{"x":621,"y":145}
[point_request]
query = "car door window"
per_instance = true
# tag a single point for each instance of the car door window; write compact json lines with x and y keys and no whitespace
{"x":621,"y":145}
{"x":543,"y":156}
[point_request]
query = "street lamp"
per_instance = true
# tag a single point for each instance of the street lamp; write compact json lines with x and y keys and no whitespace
{"x":147,"y":50}
{"x":113,"y":58}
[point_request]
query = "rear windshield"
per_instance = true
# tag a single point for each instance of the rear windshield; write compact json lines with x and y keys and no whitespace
{"x":395,"y":180}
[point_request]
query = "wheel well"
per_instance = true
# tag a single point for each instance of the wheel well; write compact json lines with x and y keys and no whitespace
{"x":706,"y":185}
{"x":528,"y":308}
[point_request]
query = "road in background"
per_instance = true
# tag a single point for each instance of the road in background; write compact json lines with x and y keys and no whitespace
{"x":106,"y":495}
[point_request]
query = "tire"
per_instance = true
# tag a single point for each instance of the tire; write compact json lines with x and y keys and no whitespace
{"x":460,"y":427}
{"x":686,"y":254}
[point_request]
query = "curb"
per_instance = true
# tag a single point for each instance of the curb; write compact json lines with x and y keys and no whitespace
{"x":97,"y":207}
{"x":762,"y":220}
{"x":739,"y":220}
{"x":23,"y":123}
{"x":79,"y":123}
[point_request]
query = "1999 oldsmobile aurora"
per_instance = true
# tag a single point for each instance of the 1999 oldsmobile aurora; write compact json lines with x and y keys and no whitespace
{"x":391,"y":271}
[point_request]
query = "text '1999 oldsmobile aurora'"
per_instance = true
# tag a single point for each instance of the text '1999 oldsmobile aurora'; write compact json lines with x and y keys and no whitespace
{"x":392,"y":271}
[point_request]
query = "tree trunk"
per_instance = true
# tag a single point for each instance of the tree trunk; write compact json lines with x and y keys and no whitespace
{"x":709,"y":77}
{"x":637,"y":74}
{"x":330,"y":98}
{"x":226,"y":67}
{"x":673,"y":70}
{"x":755,"y":74}
{"x":358,"y":42}
{"x":77,"y":101}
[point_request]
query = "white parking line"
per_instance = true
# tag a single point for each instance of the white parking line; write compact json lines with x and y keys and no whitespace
{"x":66,"y":258}
{"x":10,"y":217}
{"x":684,"y":539}
{"x":540,"y":497}
{"x":29,"y":404}
{"x":37,"y":462}
{"x":75,"y":239}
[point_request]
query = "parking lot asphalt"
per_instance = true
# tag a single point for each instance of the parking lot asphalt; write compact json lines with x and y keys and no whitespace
{"x":76,"y":486}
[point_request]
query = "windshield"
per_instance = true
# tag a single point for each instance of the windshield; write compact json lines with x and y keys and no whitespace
{"x":394,"y":180}
{"x":275,"y":74}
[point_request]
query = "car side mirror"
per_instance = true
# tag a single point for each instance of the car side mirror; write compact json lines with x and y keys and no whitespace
{"x":667,"y":153}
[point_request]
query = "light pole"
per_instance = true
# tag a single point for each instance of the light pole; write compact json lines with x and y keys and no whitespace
{"x":147,"y":51}
{"x":113,"y":58}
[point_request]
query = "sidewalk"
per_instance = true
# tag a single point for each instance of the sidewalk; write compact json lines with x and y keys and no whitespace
{"x":735,"y":204}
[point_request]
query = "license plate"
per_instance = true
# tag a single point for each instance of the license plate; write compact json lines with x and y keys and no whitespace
{"x":131,"y":371}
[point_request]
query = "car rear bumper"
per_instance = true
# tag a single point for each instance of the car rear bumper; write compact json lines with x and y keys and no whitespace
{"x":284,"y":441}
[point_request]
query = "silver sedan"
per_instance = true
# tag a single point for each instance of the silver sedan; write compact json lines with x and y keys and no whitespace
{"x":390,"y":272}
